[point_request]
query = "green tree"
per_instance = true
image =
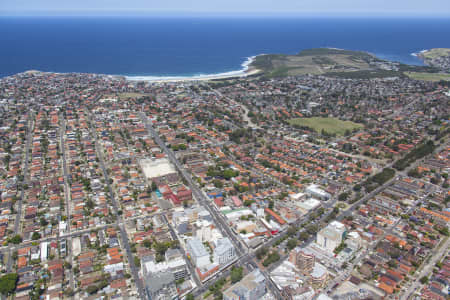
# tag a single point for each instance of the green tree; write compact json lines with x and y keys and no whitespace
{"x":17,"y":239}
{"x":190,"y":297}
{"x":292,"y":243}
{"x":343,"y":196}
{"x":35,"y":236}
{"x":304,"y":236}
{"x":8,"y":283}
{"x":292,"y":230}
{"x":92,"y":289}
{"x":229,"y":173}
{"x":236,"y":274}
{"x":161,"y":248}
{"x":137,"y":262}
{"x":218,"y":183}
{"x":154,"y":186}
{"x":147,"y":243}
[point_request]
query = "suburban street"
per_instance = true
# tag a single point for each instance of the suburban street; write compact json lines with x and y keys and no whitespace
{"x":435,"y":256}
{"x":17,"y":221}
{"x":67,"y":199}
{"x":119,"y":220}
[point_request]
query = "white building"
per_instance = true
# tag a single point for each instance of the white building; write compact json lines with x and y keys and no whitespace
{"x":114,"y":268}
{"x":307,"y":205}
{"x":62,"y":227}
{"x":176,"y":266}
{"x":354,"y":240}
{"x":251,"y":287}
{"x":297,"y":197}
{"x":156,"y":167}
{"x":314,"y":191}
{"x":331,"y":236}
{"x":44,"y":251}
{"x":204,"y":233}
{"x":224,"y":251}
{"x":198,"y":252}
{"x":237,"y":213}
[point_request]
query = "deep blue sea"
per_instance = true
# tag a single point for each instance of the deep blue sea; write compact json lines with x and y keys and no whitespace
{"x":157,"y":46}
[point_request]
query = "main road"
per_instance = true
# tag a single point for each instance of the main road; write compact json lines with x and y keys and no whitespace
{"x":198,"y":194}
{"x":242,"y":252}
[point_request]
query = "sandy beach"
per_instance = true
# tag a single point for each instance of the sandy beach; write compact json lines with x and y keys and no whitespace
{"x":244,"y":72}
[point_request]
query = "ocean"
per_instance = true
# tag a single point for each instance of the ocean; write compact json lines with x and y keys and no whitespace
{"x":168,"y":46}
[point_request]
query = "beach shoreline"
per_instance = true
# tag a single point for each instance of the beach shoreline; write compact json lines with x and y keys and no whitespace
{"x":246,"y":71}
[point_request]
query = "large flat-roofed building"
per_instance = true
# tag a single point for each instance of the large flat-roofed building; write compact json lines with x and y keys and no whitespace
{"x":308,"y":205}
{"x":316,"y":192}
{"x":224,"y":251}
{"x":154,"y":168}
{"x":251,"y":287}
{"x":161,"y":286}
{"x":197,"y":252}
{"x":331,"y":236}
{"x":177,"y":266}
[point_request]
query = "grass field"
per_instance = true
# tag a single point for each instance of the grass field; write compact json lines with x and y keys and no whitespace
{"x":125,"y":95}
{"x":330,"y":125}
{"x":428,"y":76}
{"x":436,"y":52}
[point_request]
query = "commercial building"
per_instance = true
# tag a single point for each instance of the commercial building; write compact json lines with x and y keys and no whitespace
{"x":156,"y":167}
{"x":314,"y":191}
{"x":331,"y":236}
{"x":224,"y":251}
{"x":197,"y":252}
{"x":251,"y":287}
{"x":175,"y":265}
{"x":308,"y":205}
{"x":161,"y":286}
{"x":44,"y":251}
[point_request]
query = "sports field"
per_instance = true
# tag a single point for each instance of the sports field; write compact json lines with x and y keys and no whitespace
{"x":330,"y":125}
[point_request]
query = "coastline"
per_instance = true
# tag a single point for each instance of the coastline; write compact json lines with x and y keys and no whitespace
{"x":246,"y":70}
{"x":419,"y":54}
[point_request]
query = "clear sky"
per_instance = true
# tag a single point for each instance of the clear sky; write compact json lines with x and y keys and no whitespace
{"x":226,"y":7}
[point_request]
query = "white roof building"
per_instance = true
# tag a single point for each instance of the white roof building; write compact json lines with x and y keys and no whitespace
{"x":156,"y":167}
{"x":198,"y":252}
{"x":296,"y":197}
{"x":224,"y":251}
{"x":331,"y":236}
{"x":44,"y":251}
{"x":307,"y":205}
{"x":315,"y":191}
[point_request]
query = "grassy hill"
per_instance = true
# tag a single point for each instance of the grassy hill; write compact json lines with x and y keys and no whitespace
{"x":331,"y":62}
{"x":435,"y":53}
{"x":438,"y":58}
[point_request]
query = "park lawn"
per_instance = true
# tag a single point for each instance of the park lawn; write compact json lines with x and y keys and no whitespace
{"x":428,"y":76}
{"x":330,"y":125}
{"x":122,"y":96}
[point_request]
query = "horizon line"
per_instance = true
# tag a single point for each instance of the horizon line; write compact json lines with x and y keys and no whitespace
{"x":164,"y":14}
